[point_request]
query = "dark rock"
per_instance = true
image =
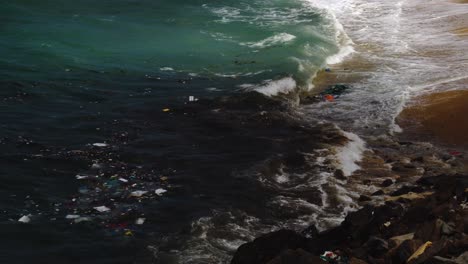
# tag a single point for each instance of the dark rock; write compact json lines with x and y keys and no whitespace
{"x":429,"y":231}
{"x":364,"y":198}
{"x":298,"y":256}
{"x":376,"y":247}
{"x":378,"y":193}
{"x":404,"y":251}
{"x":387,"y":183}
{"x":310,"y":232}
{"x":339,"y":175}
{"x":430,"y":252}
{"x":267,"y":247}
{"x":418,"y":159}
{"x":407,"y":189}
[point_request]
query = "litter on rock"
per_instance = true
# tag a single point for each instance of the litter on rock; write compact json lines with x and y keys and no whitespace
{"x":138,"y":193}
{"x":102,"y":209}
{"x":123,"y":180}
{"x":166,"y":110}
{"x":101,"y":145}
{"x":140,"y":221}
{"x":128,"y":233}
{"x":420,"y":251}
{"x":160,"y":191}
{"x":334,"y":257}
{"x":25,"y":219}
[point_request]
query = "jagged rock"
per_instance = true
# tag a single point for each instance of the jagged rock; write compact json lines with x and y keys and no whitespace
{"x":376,"y":247}
{"x":339,"y":174}
{"x":428,"y":253}
{"x":404,"y":251}
{"x":407,"y":189}
{"x":267,"y":247}
{"x":397,"y":240}
{"x":377,"y":193}
{"x":298,"y":256}
{"x":387,"y":183}
{"x":310,"y":232}
{"x":364,"y":198}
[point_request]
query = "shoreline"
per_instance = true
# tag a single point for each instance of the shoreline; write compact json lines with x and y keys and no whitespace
{"x":413,"y":188}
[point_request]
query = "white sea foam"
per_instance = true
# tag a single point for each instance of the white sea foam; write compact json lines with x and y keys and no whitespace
{"x":272,"y":88}
{"x":279,"y":39}
{"x":348,"y":155}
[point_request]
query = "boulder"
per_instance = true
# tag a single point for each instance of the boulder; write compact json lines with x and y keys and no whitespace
{"x":298,"y":256}
{"x":269,"y":246}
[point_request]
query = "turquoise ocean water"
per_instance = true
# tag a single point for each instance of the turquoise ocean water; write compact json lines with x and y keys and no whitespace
{"x":77,"y":73}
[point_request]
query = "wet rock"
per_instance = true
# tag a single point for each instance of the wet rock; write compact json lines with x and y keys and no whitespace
{"x":376,"y":247}
{"x":387,"y":183}
{"x":404,"y":251}
{"x":364,"y":198}
{"x":267,"y":247}
{"x":310,"y":232}
{"x":378,"y":193}
{"x":423,"y":254}
{"x":339,"y":175}
{"x":396,"y":241}
{"x":298,"y":256}
{"x":407,"y":189}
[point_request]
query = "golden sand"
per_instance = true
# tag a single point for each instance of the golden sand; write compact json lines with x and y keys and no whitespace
{"x":441,"y":117}
{"x":461,"y":31}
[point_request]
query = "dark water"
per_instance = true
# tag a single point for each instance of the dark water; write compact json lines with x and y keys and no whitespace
{"x":84,"y":72}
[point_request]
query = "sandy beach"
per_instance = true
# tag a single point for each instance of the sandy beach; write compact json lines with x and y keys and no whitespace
{"x":439,"y":117}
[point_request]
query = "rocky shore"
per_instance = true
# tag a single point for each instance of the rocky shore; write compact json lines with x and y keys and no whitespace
{"x":420,"y":223}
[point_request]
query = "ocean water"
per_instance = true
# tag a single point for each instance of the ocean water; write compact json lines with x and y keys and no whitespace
{"x":84,"y":88}
{"x":181,"y":120}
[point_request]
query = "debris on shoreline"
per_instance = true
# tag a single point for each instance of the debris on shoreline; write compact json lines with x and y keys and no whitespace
{"x":411,"y":228}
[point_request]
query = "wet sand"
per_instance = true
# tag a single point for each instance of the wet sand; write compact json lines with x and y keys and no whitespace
{"x":441,"y":117}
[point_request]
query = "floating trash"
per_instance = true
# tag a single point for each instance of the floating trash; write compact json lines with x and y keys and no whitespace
{"x":138,"y":193}
{"x":25,"y":219}
{"x":102,"y":209}
{"x":72,"y":216}
{"x":160,"y":191}
{"x":140,"y":221}
{"x":101,"y":145}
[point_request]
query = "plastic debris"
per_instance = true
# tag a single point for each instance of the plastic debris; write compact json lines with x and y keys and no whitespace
{"x":128,"y":233}
{"x":81,"y":177}
{"x":72,"y":216}
{"x":420,"y":251}
{"x":160,"y":191}
{"x":140,"y":221}
{"x":25,"y":219}
{"x":102,"y":209}
{"x":101,"y":145}
{"x":82,"y":219}
{"x":387,"y":224}
{"x":333,"y":257}
{"x":329,"y":98}
{"x":138,"y":193}
{"x":166,"y":110}
{"x":123,"y":180}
